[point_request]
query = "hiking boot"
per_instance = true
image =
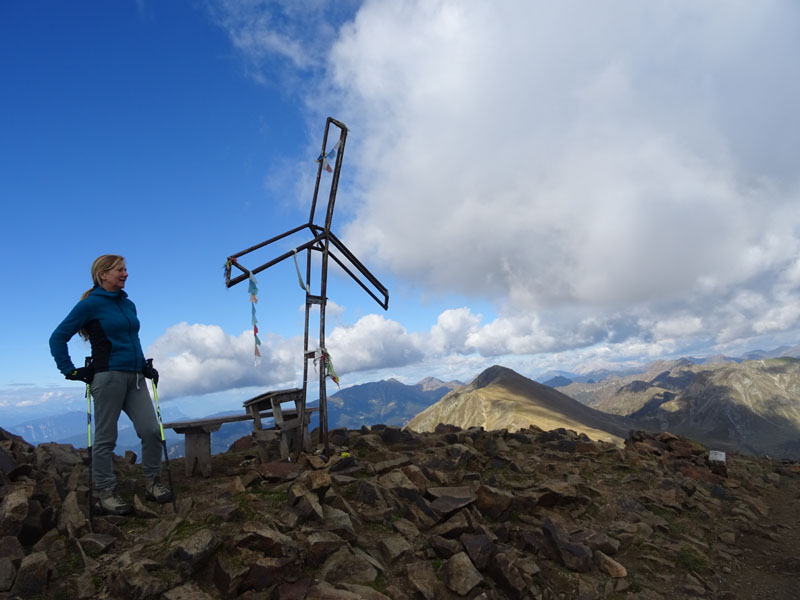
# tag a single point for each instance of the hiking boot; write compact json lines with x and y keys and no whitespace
{"x":157,"y":491}
{"x":109,"y":503}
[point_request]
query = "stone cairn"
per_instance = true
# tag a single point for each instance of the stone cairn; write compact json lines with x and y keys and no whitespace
{"x":394,"y":514}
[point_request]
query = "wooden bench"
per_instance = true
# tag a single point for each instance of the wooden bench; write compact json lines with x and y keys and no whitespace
{"x":288,"y":430}
{"x":265,"y":406}
{"x":198,"y":440}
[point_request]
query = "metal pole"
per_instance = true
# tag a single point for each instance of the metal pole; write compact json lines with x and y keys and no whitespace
{"x":323,"y":396}
{"x":302,"y":414}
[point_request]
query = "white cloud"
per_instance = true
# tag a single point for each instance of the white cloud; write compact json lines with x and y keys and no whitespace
{"x":199,"y":359}
{"x":452,"y":330}
{"x":678,"y":327}
{"x":489,"y":169}
{"x":49,"y":398}
{"x":546,"y":155}
{"x":373,"y":342}
{"x":270,"y":33}
{"x":780,"y":318}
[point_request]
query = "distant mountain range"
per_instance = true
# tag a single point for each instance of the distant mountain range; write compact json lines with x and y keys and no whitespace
{"x":752,"y":407}
{"x":749,"y":404}
{"x":387,"y":402}
{"x":563,"y":378}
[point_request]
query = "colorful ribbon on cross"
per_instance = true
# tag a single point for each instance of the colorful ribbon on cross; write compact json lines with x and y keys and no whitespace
{"x":299,"y":276}
{"x":227,"y":268}
{"x":321,"y":355}
{"x":331,"y":154}
{"x":252,"y":289}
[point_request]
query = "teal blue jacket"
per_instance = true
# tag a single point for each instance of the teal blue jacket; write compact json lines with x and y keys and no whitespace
{"x":113,"y":327}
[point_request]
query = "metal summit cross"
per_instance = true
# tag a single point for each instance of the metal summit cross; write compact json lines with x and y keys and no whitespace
{"x":328,"y":246}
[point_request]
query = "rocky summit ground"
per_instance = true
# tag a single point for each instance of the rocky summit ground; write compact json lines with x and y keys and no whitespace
{"x":393,"y":514}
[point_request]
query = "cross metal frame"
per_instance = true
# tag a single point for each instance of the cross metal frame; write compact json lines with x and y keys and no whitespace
{"x":328,"y":245}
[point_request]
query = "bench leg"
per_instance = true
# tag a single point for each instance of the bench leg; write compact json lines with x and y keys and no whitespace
{"x":198,"y":453}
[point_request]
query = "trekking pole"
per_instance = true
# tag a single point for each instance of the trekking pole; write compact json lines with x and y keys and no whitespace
{"x":163,"y":441}
{"x":89,"y":437}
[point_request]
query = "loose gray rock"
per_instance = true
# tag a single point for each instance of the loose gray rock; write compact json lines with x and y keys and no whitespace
{"x":135,"y":583}
{"x":460,"y":574}
{"x":576,"y":557}
{"x":12,"y":549}
{"x":13,"y":511}
{"x":96,"y":543}
{"x":32,"y":576}
{"x":492,"y":502}
{"x":609,"y":565}
{"x":480,"y":548}
{"x":72,"y":519}
{"x":187,"y":591}
{"x":394,"y":548}
{"x":142,"y":510}
{"x":338,"y":522}
{"x":194,"y":551}
{"x":8,"y":572}
{"x":345,"y":566}
{"x":321,"y":544}
{"x":421,"y":579}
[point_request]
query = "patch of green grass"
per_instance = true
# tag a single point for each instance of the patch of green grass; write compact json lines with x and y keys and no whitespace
{"x":373,"y":456}
{"x":70,"y":565}
{"x":691,"y":559}
{"x":275,"y":501}
{"x":565,"y":573}
{"x":378,"y":527}
{"x":592,"y":510}
{"x":664,"y":513}
{"x":379,"y":585}
{"x":185,"y":529}
{"x":348,"y":492}
{"x":247,"y":508}
{"x":678,"y":527}
{"x":212,"y":520}
{"x":64,"y":593}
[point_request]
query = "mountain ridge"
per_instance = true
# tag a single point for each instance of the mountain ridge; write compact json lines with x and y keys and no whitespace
{"x":500,"y":398}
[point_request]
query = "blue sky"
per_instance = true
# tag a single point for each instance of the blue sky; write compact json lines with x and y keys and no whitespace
{"x":545,"y":186}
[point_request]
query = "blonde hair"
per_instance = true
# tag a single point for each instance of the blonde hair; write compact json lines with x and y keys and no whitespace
{"x":101,"y":264}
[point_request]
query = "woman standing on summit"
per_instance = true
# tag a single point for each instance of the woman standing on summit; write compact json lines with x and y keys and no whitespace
{"x":107,"y":319}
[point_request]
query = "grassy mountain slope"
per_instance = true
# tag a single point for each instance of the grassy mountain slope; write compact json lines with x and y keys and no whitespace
{"x":749,"y":406}
{"x":499,"y":398}
{"x":753,"y":407}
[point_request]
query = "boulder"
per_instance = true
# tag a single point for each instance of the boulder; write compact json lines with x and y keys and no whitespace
{"x":460,"y":575}
{"x":13,"y":511}
{"x":32,"y":576}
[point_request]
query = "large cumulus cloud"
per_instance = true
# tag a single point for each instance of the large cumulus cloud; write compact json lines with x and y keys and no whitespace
{"x":615,"y":157}
{"x":614,"y":178}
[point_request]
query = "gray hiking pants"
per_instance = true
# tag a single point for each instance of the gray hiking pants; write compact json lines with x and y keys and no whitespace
{"x":113,"y":392}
